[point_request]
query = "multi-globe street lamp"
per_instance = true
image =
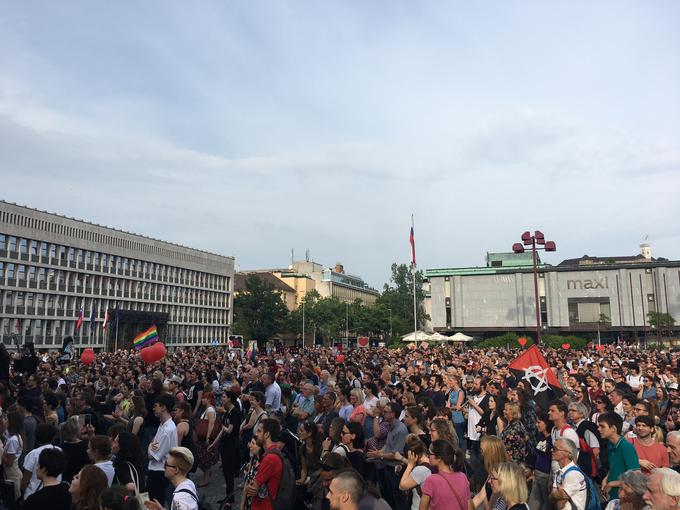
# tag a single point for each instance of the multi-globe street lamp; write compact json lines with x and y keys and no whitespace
{"x":533,"y":240}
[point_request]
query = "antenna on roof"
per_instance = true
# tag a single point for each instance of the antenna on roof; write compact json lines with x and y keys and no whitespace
{"x":307,"y":255}
{"x":292,"y":256}
{"x":646,"y":237}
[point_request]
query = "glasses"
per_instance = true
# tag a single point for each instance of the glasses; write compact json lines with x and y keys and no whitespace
{"x":170,"y":465}
{"x":555,"y":449}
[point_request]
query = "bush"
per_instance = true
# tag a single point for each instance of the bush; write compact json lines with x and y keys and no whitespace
{"x":505,"y":340}
{"x":510,"y":339}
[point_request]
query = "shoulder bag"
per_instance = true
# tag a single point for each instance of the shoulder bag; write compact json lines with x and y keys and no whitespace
{"x":141,"y":497}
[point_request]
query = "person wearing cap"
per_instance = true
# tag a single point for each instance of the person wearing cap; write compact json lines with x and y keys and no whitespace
{"x":174,"y":389}
{"x":185,"y":497}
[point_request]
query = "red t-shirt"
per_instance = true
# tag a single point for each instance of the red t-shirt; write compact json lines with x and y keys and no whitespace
{"x":269,"y":472}
{"x":655,"y":453}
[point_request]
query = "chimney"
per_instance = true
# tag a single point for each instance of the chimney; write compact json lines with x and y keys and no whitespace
{"x":339,"y":268}
{"x":646,"y":251}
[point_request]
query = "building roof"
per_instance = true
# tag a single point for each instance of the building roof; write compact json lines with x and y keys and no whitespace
{"x":241,"y":277}
{"x":587,"y":260}
{"x":513,"y":259}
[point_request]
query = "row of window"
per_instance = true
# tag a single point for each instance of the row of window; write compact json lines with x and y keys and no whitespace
{"x":96,"y":261}
{"x":92,"y":236}
{"x":83,"y":283}
{"x":52,"y":304}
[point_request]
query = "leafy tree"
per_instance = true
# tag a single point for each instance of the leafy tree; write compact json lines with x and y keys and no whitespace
{"x":660,"y":320}
{"x":398,"y":297}
{"x":259,"y":311}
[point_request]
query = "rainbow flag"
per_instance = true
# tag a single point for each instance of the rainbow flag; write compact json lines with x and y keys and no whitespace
{"x":145,"y":338}
{"x":252,"y":349}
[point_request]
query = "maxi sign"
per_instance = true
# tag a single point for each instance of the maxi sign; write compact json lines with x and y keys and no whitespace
{"x":595,"y":283}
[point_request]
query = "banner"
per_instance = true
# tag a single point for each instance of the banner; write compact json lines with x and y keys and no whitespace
{"x":531,"y":367}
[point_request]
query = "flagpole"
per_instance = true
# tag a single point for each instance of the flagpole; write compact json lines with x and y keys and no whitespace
{"x":115,"y":348}
{"x":415,"y":307}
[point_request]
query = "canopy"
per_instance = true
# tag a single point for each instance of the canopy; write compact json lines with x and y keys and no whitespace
{"x":460,"y":337}
{"x":438,"y":337}
{"x":417,"y":336}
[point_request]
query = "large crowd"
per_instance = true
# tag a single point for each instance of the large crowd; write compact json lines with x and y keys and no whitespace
{"x":439,"y":428}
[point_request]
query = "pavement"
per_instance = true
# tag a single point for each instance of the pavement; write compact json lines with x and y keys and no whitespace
{"x":216,"y":489}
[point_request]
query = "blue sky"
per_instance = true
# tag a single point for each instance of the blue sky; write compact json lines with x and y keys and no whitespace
{"x":252,"y":128}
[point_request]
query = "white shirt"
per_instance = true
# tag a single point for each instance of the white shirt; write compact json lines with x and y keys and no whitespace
{"x":182,"y":500}
{"x":273,"y":396}
{"x":419,"y":475}
{"x":166,"y":437}
{"x":473,"y":419}
{"x":574,"y":484}
{"x":31,"y":464}
{"x":109,"y":470}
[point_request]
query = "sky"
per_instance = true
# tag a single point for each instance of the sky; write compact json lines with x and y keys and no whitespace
{"x":253,"y":128}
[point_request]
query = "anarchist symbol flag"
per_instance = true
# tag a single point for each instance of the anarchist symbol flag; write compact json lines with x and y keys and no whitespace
{"x":531,"y":368}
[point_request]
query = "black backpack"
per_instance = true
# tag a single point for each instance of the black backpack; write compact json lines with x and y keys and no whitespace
{"x":285,"y":499}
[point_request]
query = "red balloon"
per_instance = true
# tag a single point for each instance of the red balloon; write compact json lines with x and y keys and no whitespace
{"x":87,"y":357}
{"x":340,"y":358}
{"x":565,"y":346}
{"x":159,"y":350}
{"x":599,"y":347}
{"x":147,"y":354}
{"x":522,"y":341}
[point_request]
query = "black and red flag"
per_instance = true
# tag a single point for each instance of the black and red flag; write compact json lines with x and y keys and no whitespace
{"x":531,"y":368}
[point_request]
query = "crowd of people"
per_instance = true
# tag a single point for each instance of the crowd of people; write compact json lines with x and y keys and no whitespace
{"x":435,"y":428}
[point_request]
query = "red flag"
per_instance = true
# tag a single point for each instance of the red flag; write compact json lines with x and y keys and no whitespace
{"x":531,"y":367}
{"x":79,"y":322}
{"x":106,"y":319}
{"x":412,"y":240}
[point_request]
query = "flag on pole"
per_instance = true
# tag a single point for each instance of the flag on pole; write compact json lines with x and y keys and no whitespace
{"x":79,"y":322}
{"x":531,"y":367}
{"x":412,"y":240}
{"x":252,"y":349}
{"x":145,"y":338}
{"x":92,"y":319}
{"x":106,"y":319}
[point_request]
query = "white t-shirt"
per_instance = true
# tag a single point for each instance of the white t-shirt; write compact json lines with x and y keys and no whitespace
{"x":108,"y":469}
{"x":182,"y":500}
{"x":14,"y":447}
{"x":574,"y":484}
{"x":31,"y":464}
{"x":473,"y":419}
{"x":419,"y":474}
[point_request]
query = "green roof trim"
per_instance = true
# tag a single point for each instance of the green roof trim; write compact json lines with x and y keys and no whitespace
{"x":512,"y":259}
{"x":478,"y":270}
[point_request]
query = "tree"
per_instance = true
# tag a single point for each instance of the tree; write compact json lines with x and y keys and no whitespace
{"x":660,"y":320}
{"x":259,"y":311}
{"x":398,"y":297}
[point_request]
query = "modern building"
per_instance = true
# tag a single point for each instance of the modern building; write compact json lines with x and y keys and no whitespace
{"x":52,"y":267}
{"x":576,"y":296}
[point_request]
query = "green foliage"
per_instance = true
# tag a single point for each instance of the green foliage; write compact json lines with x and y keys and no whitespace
{"x":398,"y":297}
{"x":510,"y":340}
{"x":505,"y":340}
{"x":556,"y":341}
{"x":660,"y":320}
{"x":259,"y":312}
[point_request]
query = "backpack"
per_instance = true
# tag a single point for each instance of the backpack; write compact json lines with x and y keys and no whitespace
{"x":592,"y":498}
{"x":285,"y":499}
{"x":199,"y":502}
{"x":587,"y":460}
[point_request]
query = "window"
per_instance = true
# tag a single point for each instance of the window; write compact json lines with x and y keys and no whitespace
{"x":10,"y":271}
{"x":8,"y":298}
{"x":29,"y":299}
{"x":81,"y":257}
{"x":23,"y":246}
{"x":34,"y":247}
{"x":12,"y":243}
{"x":3,"y":241}
{"x":20,"y":299}
{"x":41,"y":274}
{"x":31,"y":273}
{"x":72,"y":254}
{"x":53,"y":251}
{"x":22,"y":272}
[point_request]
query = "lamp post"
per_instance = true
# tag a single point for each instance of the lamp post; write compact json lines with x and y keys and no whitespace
{"x":390,"y":310}
{"x":533,"y":240}
{"x":303,"y":324}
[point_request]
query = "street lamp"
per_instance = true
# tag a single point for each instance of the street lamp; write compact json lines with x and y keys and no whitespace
{"x":390,"y":310}
{"x":532,"y":240}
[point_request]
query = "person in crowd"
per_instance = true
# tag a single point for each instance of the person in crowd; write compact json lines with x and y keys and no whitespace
{"x":327,"y":413}
{"x":455,"y":402}
{"x":334,"y":437}
{"x":569,"y":486}
{"x":51,"y":493}
{"x":264,"y":486}
{"x":589,"y":439}
{"x":542,"y":459}
{"x":417,"y":469}
{"x":44,"y":437}
{"x":129,"y":463}
{"x":343,"y":406}
{"x":99,"y":451}
{"x":478,"y":403}
{"x":229,"y":449}
{"x":512,"y":485}
{"x":673,"y":449}
{"x":14,"y":447}
{"x":272,"y":392}
{"x":74,"y":447}
{"x":310,"y":458}
{"x":207,"y":456}
{"x":345,"y":491}
{"x":492,"y":420}
{"x":135,"y":422}
{"x":413,"y":419}
{"x":493,"y":453}
{"x":86,"y":487}
{"x":663,"y":490}
{"x":514,"y":435}
{"x":651,"y":454}
{"x":380,"y":426}
{"x":449,"y":488}
{"x":164,"y":439}
{"x":621,"y":454}
{"x":356,"y":398}
{"x":177,"y":466}
{"x":631,"y":492}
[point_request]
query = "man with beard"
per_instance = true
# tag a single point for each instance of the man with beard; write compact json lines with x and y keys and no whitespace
{"x":651,"y":453}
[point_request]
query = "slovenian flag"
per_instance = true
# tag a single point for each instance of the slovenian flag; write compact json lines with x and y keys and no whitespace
{"x":145,"y":338}
{"x":412,"y":240}
{"x":79,"y":322}
{"x":106,"y":318}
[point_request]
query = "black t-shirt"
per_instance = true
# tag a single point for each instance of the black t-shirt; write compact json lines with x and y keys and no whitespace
{"x":233,"y":417}
{"x":76,"y":456}
{"x":123,"y":474}
{"x":54,"y":497}
{"x":193,"y":392}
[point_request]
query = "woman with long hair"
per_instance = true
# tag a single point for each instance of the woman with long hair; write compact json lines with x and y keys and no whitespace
{"x":207,"y":457}
{"x":602,"y":405}
{"x":353,"y":440}
{"x":455,"y":402}
{"x":493,"y":453}
{"x":86,"y":487}
{"x":413,"y":419}
{"x":442,"y":428}
{"x":334,"y":439}
{"x":135,"y":423}
{"x":99,"y":451}
{"x":310,"y":451}
{"x":417,"y":468}
{"x":130,"y":462}
{"x":229,"y":451}
{"x":449,"y":489}
{"x":13,"y":449}
{"x":510,"y":483}
{"x":542,"y":457}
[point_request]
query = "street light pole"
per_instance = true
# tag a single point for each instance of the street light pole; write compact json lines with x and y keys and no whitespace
{"x":303,"y":324}
{"x":390,"y":310}
{"x":533,"y":240}
{"x":347,"y":323}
